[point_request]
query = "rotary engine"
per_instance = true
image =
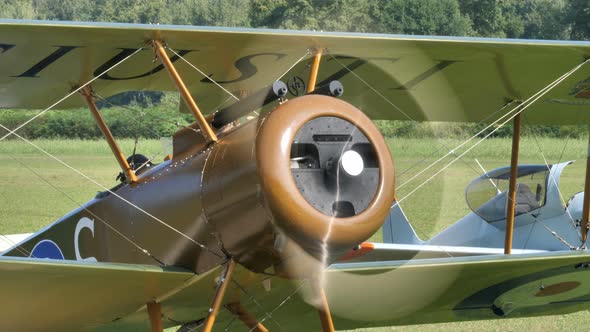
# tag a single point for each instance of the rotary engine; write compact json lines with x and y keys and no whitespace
{"x":314,"y":173}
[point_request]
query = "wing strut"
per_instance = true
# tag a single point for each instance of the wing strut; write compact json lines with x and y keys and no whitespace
{"x":127,"y":170}
{"x":155,"y":311}
{"x":206,"y":129}
{"x":223,"y":283}
{"x":313,"y":75}
{"x":324,"y":312}
{"x":586,"y":207}
{"x":511,"y":201}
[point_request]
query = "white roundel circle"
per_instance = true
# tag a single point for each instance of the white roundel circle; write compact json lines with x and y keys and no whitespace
{"x":352,"y":163}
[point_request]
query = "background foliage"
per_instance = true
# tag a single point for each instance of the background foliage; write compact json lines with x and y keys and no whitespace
{"x":537,"y":19}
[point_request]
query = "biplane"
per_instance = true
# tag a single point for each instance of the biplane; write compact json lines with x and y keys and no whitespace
{"x":258,"y":218}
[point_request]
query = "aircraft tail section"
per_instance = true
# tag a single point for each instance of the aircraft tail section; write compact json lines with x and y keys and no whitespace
{"x":397,"y":228}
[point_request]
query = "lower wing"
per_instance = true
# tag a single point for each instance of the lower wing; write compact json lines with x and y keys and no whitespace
{"x":42,"y":294}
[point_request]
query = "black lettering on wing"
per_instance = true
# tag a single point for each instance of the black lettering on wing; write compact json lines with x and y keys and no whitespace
{"x":245,"y":66}
{"x":48,"y":60}
{"x":5,"y":47}
{"x":125,"y":52}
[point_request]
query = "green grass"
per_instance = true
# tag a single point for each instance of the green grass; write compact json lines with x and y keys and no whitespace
{"x":32,"y":183}
{"x":27,"y":202}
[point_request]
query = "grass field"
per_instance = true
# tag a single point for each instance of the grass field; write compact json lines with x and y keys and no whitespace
{"x":36,"y":190}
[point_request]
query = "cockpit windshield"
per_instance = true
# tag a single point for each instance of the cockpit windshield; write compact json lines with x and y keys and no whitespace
{"x":487,"y":195}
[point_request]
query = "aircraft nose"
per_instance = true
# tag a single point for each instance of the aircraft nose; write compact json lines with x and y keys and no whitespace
{"x":324,"y":169}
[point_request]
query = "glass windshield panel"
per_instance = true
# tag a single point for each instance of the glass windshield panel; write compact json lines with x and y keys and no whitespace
{"x":486,"y":196}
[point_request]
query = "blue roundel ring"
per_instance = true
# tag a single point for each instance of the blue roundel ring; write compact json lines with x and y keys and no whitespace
{"x":47,"y":249}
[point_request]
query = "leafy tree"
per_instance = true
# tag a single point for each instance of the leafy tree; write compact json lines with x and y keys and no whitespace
{"x":578,"y":16}
{"x":21,"y":9}
{"x":63,"y":10}
{"x":230,"y":13}
{"x":545,"y":20}
{"x":326,"y":15}
{"x":422,"y":17}
{"x":517,"y":18}
{"x":267,"y":13}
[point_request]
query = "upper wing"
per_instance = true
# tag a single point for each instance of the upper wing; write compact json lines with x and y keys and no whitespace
{"x":388,"y":76}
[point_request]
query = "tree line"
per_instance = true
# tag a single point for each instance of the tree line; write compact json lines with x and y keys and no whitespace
{"x":538,"y":19}
{"x":527,"y":19}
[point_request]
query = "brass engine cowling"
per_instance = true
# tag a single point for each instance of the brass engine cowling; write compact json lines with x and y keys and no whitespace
{"x":315,"y":170}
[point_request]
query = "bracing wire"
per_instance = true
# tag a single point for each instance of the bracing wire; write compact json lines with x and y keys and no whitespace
{"x":554,"y":181}
{"x":443,"y":146}
{"x":141,"y":249}
{"x":306,"y":54}
{"x":257,"y":303}
{"x":11,"y":132}
{"x":282,"y":303}
{"x":22,"y":250}
{"x":511,"y":114}
{"x":176,"y":123}
{"x":202,"y":73}
{"x":117,"y":195}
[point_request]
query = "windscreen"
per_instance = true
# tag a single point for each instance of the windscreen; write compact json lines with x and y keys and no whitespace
{"x":486,"y":196}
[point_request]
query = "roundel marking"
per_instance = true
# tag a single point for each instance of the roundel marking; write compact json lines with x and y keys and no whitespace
{"x":46,"y":249}
{"x":558,"y":288}
{"x":539,"y":292}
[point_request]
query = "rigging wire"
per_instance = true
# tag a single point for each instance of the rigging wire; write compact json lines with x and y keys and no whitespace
{"x":117,"y":195}
{"x":11,"y":132}
{"x":402,"y":112}
{"x":554,"y":181}
{"x":257,"y":303}
{"x":451,"y":151}
{"x":175,"y":123}
{"x":517,"y":110}
{"x":282,"y":303}
{"x":443,"y":146}
{"x":372,"y":88}
{"x":219,"y":85}
{"x":307,"y":53}
{"x":202,"y":73}
{"x":168,"y":144}
{"x":143,"y":250}
{"x":232,"y":320}
{"x":552,"y":232}
{"x":14,"y":246}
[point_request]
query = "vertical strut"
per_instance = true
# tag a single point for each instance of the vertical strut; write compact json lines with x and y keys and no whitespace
{"x":313,"y":75}
{"x":586,"y":208}
{"x":221,"y":288}
{"x":184,"y":93}
{"x":511,"y":201}
{"x":155,"y":312}
{"x":324,"y":312}
{"x":127,"y":170}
